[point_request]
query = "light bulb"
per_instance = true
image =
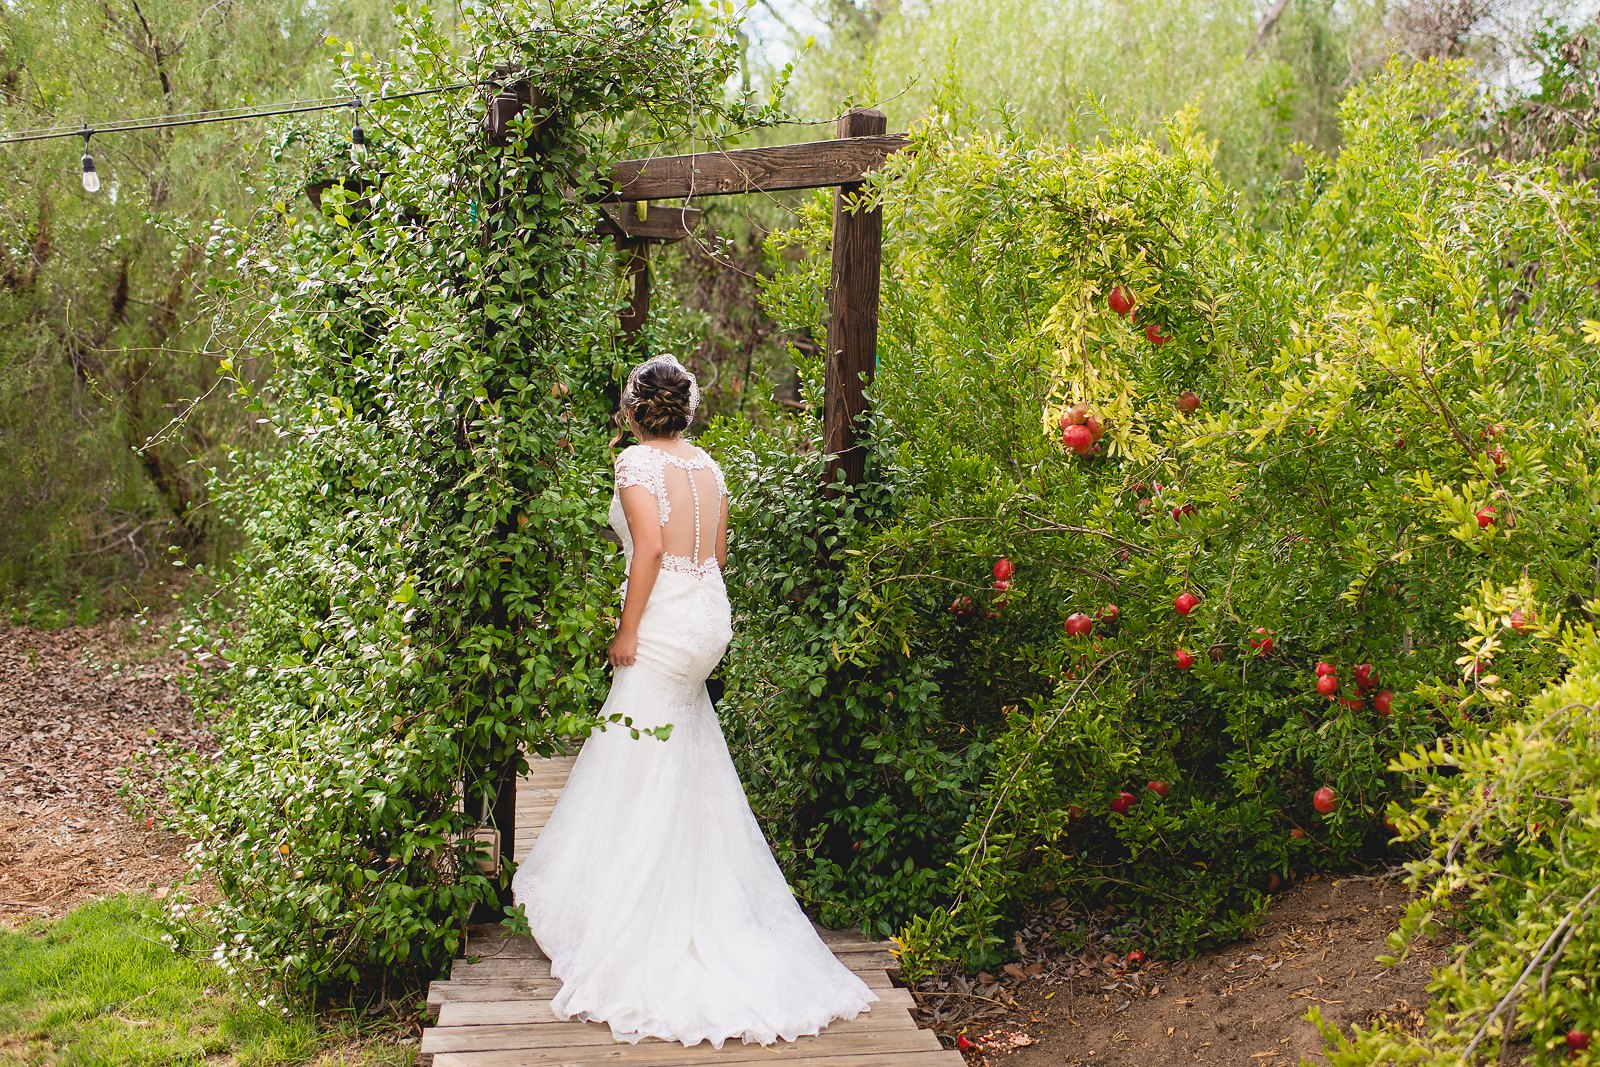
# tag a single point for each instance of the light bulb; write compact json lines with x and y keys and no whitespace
{"x":91,"y":180}
{"x":358,"y":143}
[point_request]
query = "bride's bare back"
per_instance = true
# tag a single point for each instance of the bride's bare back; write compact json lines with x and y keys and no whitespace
{"x":691,"y":503}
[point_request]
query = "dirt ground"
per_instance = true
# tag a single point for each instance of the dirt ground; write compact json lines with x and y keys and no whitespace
{"x":1244,"y":1004}
{"x":76,"y":707}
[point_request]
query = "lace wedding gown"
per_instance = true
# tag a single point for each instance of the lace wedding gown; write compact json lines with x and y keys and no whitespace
{"x":651,"y":888}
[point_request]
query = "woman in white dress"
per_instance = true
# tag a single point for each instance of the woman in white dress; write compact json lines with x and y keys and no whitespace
{"x":652,"y":889}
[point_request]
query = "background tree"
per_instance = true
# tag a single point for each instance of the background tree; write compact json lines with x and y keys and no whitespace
{"x":104,"y":340}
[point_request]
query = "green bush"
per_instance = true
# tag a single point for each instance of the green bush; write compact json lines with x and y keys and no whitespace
{"x":1401,"y":351}
{"x":425,"y":594}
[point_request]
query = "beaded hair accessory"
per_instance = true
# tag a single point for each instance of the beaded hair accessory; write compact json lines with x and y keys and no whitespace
{"x":628,"y":395}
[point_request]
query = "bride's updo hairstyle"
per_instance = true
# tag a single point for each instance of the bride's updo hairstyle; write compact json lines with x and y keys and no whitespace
{"x":661,"y":395}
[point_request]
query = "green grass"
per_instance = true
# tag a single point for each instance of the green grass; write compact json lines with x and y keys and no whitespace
{"x":98,"y":986}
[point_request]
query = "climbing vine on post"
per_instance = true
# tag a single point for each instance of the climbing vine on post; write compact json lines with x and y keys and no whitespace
{"x":425,"y":592}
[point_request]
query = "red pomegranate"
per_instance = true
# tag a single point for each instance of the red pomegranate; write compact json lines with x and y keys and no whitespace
{"x":1325,"y":800}
{"x":1120,"y":301}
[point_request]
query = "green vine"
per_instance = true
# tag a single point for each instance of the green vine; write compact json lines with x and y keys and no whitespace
{"x":425,"y":594}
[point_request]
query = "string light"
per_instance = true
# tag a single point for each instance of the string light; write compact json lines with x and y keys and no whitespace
{"x":91,"y":179}
{"x":358,"y":136}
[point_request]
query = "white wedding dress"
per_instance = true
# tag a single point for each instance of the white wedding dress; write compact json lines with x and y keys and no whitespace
{"x":651,"y":888}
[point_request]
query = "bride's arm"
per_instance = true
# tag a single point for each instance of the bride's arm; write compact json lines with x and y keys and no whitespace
{"x":644,"y":525}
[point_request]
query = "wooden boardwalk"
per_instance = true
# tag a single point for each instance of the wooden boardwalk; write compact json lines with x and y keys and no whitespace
{"x":494,"y":1011}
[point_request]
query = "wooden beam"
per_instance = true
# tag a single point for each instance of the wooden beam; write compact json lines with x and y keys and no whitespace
{"x":815,"y":165}
{"x":659,"y":223}
{"x":851,"y":360}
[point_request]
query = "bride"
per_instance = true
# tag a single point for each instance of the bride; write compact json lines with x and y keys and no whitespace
{"x":651,"y":888}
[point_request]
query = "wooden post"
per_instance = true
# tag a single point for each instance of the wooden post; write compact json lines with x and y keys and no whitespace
{"x":636,"y":265}
{"x":852,"y":357}
{"x":507,"y":103}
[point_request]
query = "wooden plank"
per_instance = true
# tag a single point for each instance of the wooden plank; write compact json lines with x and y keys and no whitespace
{"x":603,"y":1049}
{"x":534,"y":987}
{"x":481,"y":964}
{"x":550,"y":1032}
{"x":659,"y":224}
{"x":584,"y":1058}
{"x":554,"y":775}
{"x":851,"y":360}
{"x":815,"y":165}
{"x":893,"y":1007}
{"x":495,"y":940}
{"x":851,"y":936}
{"x":537,"y":810}
{"x":829,"y":935}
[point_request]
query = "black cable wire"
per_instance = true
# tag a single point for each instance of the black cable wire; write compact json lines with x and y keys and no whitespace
{"x":225,"y":115}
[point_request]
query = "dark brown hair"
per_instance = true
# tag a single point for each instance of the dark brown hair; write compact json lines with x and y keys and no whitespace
{"x":661,"y":400}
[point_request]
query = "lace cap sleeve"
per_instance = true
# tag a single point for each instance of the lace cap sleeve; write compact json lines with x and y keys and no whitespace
{"x":641,"y":465}
{"x":635,"y":468}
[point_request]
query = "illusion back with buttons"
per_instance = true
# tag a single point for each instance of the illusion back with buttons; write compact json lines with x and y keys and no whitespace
{"x":688,"y":491}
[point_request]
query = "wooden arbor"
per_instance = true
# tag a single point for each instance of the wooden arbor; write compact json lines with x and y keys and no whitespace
{"x":843,"y":164}
{"x":851,"y":358}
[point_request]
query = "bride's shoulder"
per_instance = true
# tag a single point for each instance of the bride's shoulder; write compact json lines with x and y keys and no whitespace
{"x":635,"y":462}
{"x":634,"y":454}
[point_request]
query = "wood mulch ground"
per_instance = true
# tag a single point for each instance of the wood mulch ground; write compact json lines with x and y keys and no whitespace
{"x":79,"y":706}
